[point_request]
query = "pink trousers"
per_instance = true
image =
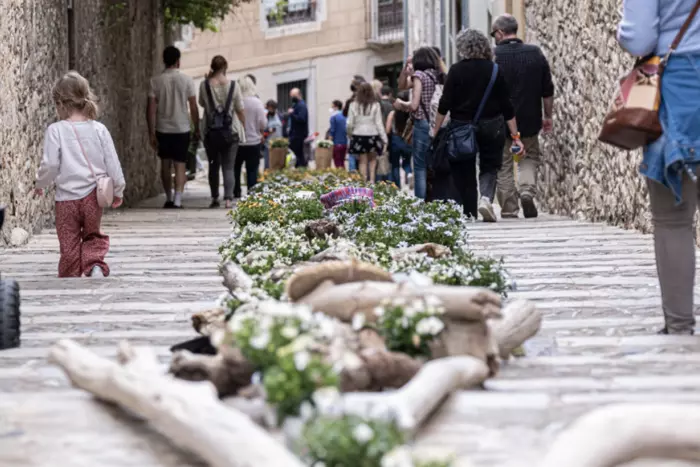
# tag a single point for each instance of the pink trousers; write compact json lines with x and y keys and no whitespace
{"x":82,"y":244}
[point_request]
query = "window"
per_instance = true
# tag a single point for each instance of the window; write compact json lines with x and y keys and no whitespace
{"x":387,"y":21}
{"x":286,"y":12}
{"x":283,"y":100}
{"x":389,"y":75}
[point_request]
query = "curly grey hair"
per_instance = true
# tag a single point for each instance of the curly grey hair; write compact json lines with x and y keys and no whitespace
{"x":472,"y":44}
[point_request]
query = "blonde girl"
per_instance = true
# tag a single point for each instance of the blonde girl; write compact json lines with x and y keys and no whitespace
{"x":68,"y":146}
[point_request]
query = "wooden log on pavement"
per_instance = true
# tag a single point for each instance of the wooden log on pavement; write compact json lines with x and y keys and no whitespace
{"x":189,"y":414}
{"x":619,"y":434}
{"x":521,"y":321}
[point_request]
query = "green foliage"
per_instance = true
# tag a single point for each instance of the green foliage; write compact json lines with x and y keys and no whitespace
{"x":279,"y":143}
{"x":203,"y":14}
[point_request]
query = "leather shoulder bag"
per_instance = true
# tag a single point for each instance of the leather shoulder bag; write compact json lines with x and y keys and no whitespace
{"x":633,"y":118}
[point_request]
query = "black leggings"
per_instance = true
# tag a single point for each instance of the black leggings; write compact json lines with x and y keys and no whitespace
{"x":491,"y":138}
{"x":250,"y":155}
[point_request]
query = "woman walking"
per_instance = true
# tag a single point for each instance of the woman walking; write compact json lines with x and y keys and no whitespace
{"x":214,"y":94}
{"x":426,"y":76}
{"x":467,"y":98}
{"x":366,"y":130}
{"x":77,"y":152}
{"x":255,"y":125}
{"x":671,"y":162}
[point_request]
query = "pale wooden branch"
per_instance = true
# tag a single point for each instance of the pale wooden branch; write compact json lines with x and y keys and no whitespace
{"x":618,"y":434}
{"x":521,"y":320}
{"x":415,"y":401}
{"x":189,"y":414}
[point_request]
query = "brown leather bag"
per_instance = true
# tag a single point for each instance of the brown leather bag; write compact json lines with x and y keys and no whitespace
{"x":633,"y":119}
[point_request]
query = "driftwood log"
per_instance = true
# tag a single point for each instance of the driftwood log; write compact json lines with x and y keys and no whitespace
{"x":619,"y":434}
{"x":189,"y":414}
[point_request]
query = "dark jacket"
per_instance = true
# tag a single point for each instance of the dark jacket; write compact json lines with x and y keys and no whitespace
{"x":299,"y":127}
{"x":529,"y":79}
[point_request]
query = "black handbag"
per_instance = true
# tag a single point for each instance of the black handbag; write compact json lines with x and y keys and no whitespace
{"x":462,"y":144}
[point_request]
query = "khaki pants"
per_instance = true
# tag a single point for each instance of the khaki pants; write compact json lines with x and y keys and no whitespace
{"x":507,"y":191}
{"x":674,"y":245}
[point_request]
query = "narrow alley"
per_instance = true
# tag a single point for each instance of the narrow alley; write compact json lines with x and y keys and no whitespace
{"x":596,"y":285}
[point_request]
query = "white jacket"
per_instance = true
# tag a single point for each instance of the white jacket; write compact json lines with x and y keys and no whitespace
{"x":366,"y":122}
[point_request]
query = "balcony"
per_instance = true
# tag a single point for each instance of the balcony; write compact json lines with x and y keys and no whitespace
{"x":289,"y":12}
{"x":386,"y":22}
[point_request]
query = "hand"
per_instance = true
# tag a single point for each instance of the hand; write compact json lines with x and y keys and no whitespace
{"x":398,"y":104}
{"x":197,"y":136}
{"x":117,"y":202}
{"x":154,"y":142}
{"x":519,"y":144}
{"x":38,"y":192}
{"x":290,"y":111}
{"x":547,"y":125}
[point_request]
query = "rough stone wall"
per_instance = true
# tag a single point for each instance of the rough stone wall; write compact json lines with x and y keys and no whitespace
{"x":117,"y":49}
{"x":581,"y":177}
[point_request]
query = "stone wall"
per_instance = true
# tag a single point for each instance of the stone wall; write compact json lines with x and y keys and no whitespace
{"x":116,"y":47}
{"x":581,"y":177}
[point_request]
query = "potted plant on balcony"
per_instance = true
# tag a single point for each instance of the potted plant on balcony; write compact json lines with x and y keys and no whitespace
{"x":324,"y":154}
{"x":278,"y":153}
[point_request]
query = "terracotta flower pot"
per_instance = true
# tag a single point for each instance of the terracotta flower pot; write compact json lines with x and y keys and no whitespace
{"x":277,"y":158}
{"x":324,"y":158}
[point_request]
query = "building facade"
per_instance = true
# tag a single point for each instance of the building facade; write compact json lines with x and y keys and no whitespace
{"x":315,"y":45}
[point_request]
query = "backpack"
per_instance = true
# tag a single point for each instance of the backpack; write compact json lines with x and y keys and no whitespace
{"x":220,"y":134}
{"x":434,"y":103}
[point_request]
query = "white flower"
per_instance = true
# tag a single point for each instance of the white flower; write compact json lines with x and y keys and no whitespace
{"x":363,"y":433}
{"x":430,"y":326}
{"x":433,"y":301}
{"x":260,"y":341}
{"x":306,"y":411}
{"x":379,"y":311}
{"x":399,"y":457}
{"x":358,"y":321}
{"x":289,"y":332}
{"x":301,"y":360}
{"x":326,"y":399}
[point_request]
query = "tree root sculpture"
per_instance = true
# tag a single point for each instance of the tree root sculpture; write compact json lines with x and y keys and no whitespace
{"x":207,"y":322}
{"x":307,"y":279}
{"x":415,"y":401}
{"x":235,"y":278}
{"x":521,"y":321}
{"x":432,"y":250}
{"x":228,"y":370}
{"x":189,"y":414}
{"x":321,"y":228}
{"x":343,"y":301}
{"x":618,"y":434}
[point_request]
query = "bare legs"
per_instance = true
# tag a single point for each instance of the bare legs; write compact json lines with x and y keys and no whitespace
{"x":368,"y":162}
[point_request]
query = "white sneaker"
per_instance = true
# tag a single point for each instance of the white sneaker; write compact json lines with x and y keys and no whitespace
{"x":486,"y":210}
{"x":97,"y":273}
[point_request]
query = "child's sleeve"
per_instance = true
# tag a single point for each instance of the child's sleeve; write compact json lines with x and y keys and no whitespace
{"x":114,"y":167}
{"x":51,"y":160}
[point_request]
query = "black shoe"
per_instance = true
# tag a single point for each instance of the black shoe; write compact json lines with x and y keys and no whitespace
{"x":664,"y":332}
{"x":529,"y":208}
{"x":169,"y":205}
{"x":214,"y":204}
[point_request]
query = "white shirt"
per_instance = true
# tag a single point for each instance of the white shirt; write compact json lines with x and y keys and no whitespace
{"x":366,"y":122}
{"x":64,"y":162}
{"x":172,"y":89}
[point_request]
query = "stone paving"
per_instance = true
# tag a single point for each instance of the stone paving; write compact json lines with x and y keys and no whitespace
{"x":596,"y":285}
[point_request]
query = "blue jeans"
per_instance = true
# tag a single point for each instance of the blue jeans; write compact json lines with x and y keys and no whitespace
{"x":352,"y":163}
{"x":400,"y":156}
{"x":421,"y":146}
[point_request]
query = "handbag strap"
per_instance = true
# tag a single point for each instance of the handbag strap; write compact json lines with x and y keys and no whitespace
{"x":494,"y":74}
{"x":684,"y":29}
{"x":82,"y":149}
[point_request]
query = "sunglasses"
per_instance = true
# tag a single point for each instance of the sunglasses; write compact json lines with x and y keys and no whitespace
{"x":493,"y":33}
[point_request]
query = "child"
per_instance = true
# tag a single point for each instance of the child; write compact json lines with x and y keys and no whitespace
{"x":338,"y":134}
{"x":68,"y":145}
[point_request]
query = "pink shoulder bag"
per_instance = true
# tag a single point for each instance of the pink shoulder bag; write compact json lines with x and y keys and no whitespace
{"x":105,"y":185}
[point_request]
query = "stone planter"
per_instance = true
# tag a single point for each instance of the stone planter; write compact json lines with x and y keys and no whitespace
{"x":324,"y":158}
{"x":277,"y":158}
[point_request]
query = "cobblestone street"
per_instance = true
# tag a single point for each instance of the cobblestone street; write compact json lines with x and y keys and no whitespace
{"x":596,"y":285}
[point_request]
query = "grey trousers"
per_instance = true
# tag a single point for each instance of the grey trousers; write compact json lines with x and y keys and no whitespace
{"x":224,"y":161}
{"x":674,"y":244}
{"x":508,"y":193}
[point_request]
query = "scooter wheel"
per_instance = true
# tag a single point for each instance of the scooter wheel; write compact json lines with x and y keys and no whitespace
{"x":9,"y":314}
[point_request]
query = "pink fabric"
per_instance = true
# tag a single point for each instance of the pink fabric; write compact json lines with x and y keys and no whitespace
{"x":342,"y":195}
{"x":82,"y":244}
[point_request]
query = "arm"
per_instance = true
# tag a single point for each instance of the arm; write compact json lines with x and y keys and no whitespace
{"x":390,"y":121}
{"x":114,"y":167}
{"x":333,"y":129}
{"x":405,"y":76}
{"x":262,"y":118}
{"x":350,"y":124}
{"x":638,"y":32}
{"x":194,"y":115}
{"x":300,"y":114}
{"x":238,"y":105}
{"x":51,"y":160}
{"x":202,"y":95}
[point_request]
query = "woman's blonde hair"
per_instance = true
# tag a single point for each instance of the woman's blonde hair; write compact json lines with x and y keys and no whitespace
{"x":473,"y":44}
{"x":377,"y":86}
{"x":72,"y":93}
{"x":248,"y":88}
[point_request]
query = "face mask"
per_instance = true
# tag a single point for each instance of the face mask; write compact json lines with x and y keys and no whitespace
{"x":295,"y":99}
{"x":353,"y":88}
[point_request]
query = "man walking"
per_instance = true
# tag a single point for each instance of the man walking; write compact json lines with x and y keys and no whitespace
{"x":299,"y":126}
{"x":169,"y":123}
{"x":529,"y":78}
